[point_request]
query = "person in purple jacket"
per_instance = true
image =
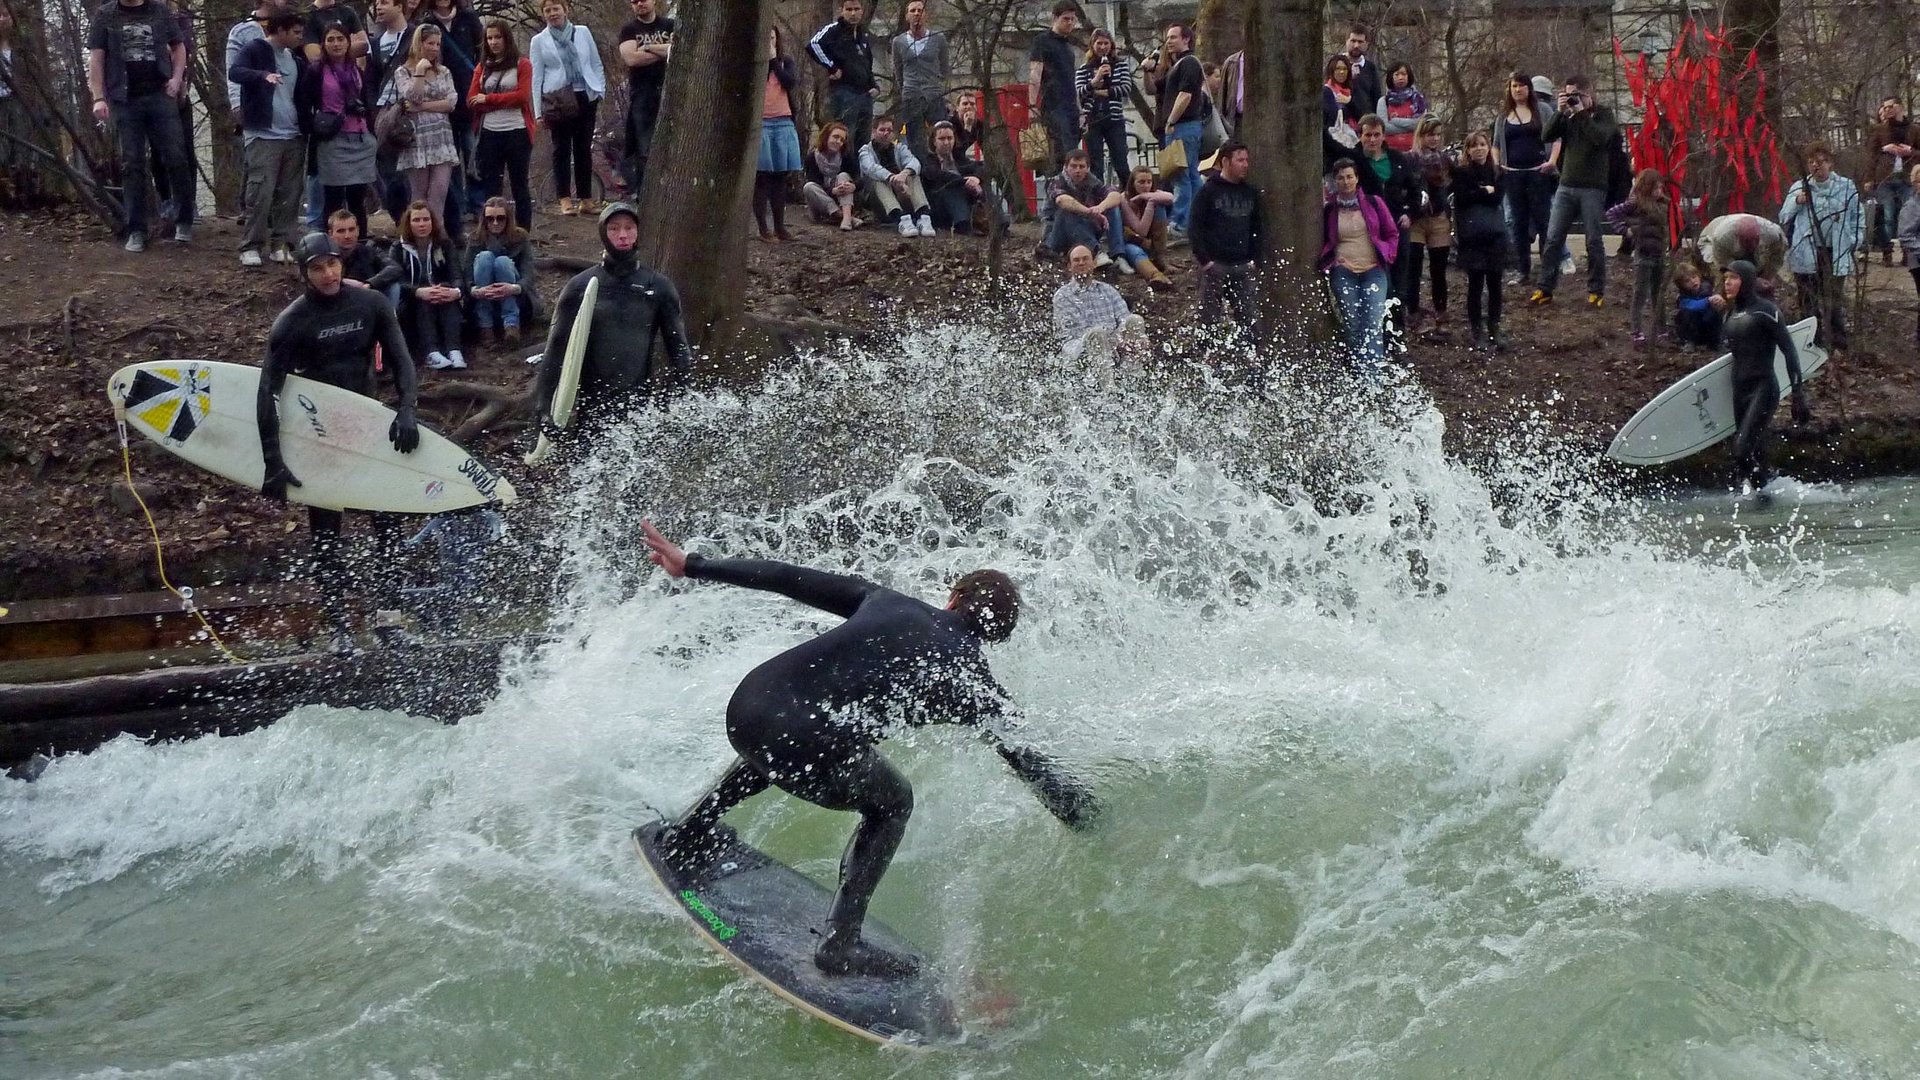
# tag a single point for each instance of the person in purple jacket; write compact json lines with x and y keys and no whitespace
{"x":1362,"y":240}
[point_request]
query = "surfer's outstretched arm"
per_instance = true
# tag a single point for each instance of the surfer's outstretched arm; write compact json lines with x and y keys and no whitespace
{"x":1064,"y":796}
{"x":840,"y":594}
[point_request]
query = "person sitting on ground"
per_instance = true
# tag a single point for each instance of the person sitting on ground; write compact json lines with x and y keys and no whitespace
{"x":779,"y":143}
{"x":967,"y":128}
{"x":362,"y":266}
{"x":1482,"y":238}
{"x":1143,"y":226}
{"x":1226,"y":228}
{"x":502,"y":290}
{"x":1754,"y":333}
{"x":953,"y":184}
{"x":1357,"y":255}
{"x":1643,"y":218}
{"x":829,"y":168}
{"x":1090,"y":317}
{"x":893,"y":180}
{"x":1696,"y":323}
{"x":1402,"y":108}
{"x":431,"y":286}
{"x":1084,"y":211}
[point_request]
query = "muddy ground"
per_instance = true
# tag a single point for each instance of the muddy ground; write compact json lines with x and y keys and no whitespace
{"x":78,"y":308}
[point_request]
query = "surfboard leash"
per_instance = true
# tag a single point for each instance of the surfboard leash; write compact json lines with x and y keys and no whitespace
{"x":159,"y":555}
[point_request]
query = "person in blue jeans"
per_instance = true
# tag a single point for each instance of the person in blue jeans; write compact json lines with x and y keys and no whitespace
{"x":843,"y":48}
{"x":1362,"y":241}
{"x":1181,"y":86}
{"x":502,"y":272}
{"x":1085,"y":211}
{"x":1587,"y":132}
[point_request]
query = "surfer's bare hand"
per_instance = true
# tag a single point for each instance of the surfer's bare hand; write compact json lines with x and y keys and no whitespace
{"x":665,"y":553}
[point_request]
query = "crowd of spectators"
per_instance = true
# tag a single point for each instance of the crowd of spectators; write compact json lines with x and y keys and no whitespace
{"x":430,"y":113}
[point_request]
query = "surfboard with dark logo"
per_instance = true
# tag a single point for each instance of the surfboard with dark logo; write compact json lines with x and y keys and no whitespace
{"x":767,"y":918}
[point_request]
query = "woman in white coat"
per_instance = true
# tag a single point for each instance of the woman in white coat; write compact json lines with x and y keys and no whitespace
{"x":568,"y":84}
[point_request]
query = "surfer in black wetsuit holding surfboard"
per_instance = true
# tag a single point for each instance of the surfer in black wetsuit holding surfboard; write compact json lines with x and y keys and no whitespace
{"x":807,"y":721}
{"x":1754,"y":330}
{"x":328,"y":334}
{"x":634,"y":305}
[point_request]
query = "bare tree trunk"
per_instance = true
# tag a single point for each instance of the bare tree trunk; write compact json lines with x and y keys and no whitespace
{"x":694,"y":201}
{"x":1283,"y":133}
{"x":1219,"y":26}
{"x":217,"y":17}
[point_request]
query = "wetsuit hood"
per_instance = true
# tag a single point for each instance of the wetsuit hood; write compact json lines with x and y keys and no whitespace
{"x":620,"y":262}
{"x":315,"y":245}
{"x":1749,"y":276}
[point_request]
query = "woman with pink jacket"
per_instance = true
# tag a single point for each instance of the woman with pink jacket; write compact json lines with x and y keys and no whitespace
{"x":1362,"y":240}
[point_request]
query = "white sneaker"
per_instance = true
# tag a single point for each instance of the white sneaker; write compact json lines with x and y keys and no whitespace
{"x":1102,"y":261}
{"x":250,"y":257}
{"x":1126,"y":268}
{"x":1566,"y":263}
{"x":906,"y":227}
{"x":281,"y":255}
{"x":456,"y":360}
{"x":438,"y":361}
{"x":925,"y":224}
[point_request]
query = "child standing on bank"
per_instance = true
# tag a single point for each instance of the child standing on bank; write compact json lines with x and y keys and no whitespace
{"x":1643,"y":217}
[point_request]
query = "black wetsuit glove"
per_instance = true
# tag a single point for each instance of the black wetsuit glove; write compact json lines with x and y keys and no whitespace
{"x":404,"y":432}
{"x":1064,"y":797}
{"x":1802,"y":413}
{"x":275,"y":485}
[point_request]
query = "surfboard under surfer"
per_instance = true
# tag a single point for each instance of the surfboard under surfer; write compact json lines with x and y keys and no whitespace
{"x":1754,"y":330}
{"x":328,"y":334}
{"x":808,"y":720}
{"x":635,"y":305}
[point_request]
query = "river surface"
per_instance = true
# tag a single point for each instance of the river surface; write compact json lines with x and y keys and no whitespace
{"x":1409,"y":772}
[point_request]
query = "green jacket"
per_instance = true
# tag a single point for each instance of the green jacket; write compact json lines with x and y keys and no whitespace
{"x":1586,"y":145}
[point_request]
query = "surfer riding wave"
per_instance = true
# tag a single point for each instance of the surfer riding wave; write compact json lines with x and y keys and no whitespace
{"x":807,"y":721}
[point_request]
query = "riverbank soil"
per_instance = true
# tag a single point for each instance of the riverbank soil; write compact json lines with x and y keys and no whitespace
{"x":80,"y":308}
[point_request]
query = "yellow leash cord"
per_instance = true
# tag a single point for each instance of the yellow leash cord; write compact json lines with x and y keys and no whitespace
{"x":159,"y":556}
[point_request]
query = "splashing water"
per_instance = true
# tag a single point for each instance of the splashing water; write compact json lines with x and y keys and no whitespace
{"x":1410,"y":771}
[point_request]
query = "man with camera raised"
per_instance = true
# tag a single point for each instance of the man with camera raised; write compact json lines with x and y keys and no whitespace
{"x":1587,"y":131}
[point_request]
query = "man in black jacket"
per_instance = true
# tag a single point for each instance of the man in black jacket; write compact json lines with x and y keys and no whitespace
{"x":635,"y":305}
{"x":268,"y":73}
{"x":807,"y":721}
{"x":1390,"y":174}
{"x":843,"y":48}
{"x":1225,"y":233}
{"x":1588,"y":135}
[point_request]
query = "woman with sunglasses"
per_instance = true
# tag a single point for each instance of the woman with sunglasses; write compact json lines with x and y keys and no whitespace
{"x":502,"y":289}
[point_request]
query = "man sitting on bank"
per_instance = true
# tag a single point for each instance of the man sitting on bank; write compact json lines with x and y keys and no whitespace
{"x":1084,"y":212}
{"x":1090,"y":317}
{"x":893,"y":176}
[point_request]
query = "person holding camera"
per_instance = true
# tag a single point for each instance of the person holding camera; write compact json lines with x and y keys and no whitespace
{"x":1587,"y":131}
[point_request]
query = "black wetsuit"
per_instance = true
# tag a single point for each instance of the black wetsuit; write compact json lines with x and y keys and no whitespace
{"x":635,"y":305}
{"x":808,"y":720}
{"x":1754,"y":330}
{"x":330,"y":339}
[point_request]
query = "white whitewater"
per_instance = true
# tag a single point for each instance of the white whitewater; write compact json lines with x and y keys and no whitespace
{"x":1410,"y":771}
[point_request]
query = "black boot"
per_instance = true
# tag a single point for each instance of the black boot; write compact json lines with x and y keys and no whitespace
{"x":849,"y":954}
{"x":1494,"y":340}
{"x":865,"y":860}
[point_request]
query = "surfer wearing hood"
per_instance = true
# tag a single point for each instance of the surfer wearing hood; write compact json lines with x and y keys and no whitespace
{"x":807,"y":721}
{"x":328,"y":334}
{"x":1754,"y":330}
{"x":635,"y":305}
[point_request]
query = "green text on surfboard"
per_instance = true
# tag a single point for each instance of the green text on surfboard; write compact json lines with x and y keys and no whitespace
{"x":719,"y":926}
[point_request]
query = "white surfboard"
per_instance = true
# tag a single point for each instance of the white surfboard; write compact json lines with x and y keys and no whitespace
{"x":1697,"y":411}
{"x":568,"y":390}
{"x":334,"y":441}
